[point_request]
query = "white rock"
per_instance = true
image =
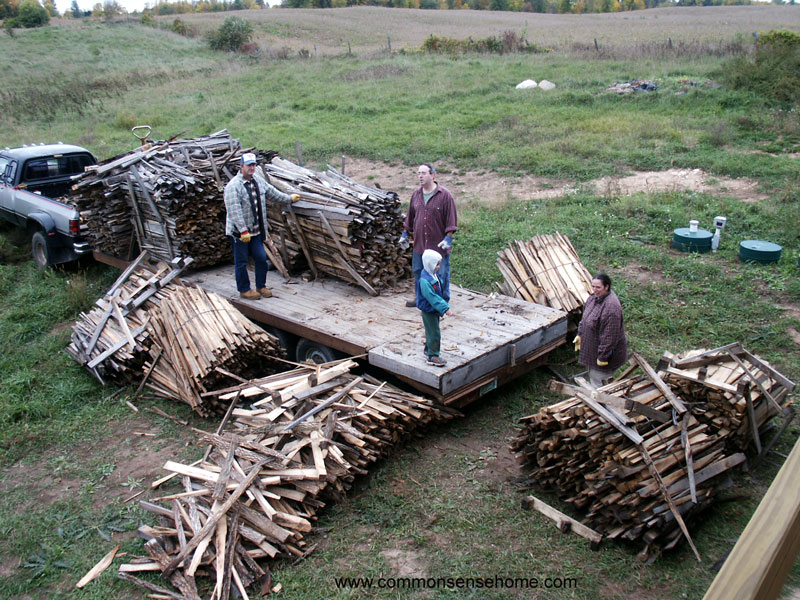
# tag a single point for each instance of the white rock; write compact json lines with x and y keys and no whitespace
{"x":546,"y":85}
{"x":526,"y":85}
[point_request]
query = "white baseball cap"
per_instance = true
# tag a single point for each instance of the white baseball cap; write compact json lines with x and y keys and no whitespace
{"x":248,"y":158}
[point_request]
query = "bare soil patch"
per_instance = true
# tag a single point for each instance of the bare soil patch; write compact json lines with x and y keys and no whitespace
{"x":133,"y":461}
{"x":405,"y":562}
{"x":489,"y":189}
{"x":643,"y":275}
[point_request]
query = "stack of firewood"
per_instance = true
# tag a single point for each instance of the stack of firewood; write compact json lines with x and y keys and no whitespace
{"x":545,"y":270}
{"x":181,"y":341}
{"x":165,"y":196}
{"x":639,"y":455}
{"x":289,"y":444}
{"x":340,"y":227}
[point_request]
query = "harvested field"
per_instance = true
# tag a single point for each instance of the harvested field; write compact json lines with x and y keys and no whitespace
{"x":368,"y":28}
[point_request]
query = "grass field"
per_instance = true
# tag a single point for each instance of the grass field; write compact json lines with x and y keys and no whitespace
{"x":444,"y":505}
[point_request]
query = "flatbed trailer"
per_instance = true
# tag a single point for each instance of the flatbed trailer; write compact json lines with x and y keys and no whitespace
{"x":490,"y":339}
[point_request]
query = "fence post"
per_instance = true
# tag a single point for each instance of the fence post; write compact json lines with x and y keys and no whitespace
{"x":596,"y":47}
{"x":389,"y":40}
{"x":299,"y":153}
{"x":342,"y":164}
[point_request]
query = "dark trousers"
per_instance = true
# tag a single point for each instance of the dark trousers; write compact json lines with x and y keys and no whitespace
{"x":443,"y":274}
{"x":433,"y":335}
{"x":241,"y":255}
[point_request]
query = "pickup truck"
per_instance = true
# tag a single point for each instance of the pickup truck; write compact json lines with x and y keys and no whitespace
{"x":30,"y":178}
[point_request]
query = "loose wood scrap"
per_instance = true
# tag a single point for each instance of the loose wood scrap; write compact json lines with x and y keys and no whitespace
{"x":166,"y":196}
{"x":340,"y":227}
{"x":263,"y":484}
{"x":545,"y":270}
{"x":588,"y":460}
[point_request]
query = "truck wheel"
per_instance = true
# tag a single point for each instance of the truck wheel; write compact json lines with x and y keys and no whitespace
{"x":315,"y":352}
{"x":41,"y":250}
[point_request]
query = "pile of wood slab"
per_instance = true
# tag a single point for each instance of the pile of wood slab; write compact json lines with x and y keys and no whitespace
{"x":180,"y":341}
{"x":167,"y":197}
{"x":288,"y":445}
{"x":340,"y":227}
{"x":637,"y":457}
{"x":545,"y":270}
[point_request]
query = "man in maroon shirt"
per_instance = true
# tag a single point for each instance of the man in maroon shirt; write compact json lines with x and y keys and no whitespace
{"x":432,"y":220}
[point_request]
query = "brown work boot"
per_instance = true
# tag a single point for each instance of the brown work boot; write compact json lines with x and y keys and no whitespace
{"x":436,"y":361}
{"x":265,"y":292}
{"x":250,"y":295}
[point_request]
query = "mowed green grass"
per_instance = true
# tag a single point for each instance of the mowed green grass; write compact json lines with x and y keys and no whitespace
{"x":443,"y":505}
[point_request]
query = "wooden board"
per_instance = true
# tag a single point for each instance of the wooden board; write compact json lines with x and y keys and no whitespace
{"x":486,"y":333}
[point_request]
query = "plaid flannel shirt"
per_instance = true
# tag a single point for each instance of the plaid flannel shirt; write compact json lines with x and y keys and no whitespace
{"x":239,"y":213}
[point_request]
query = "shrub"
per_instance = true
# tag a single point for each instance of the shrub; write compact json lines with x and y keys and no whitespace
{"x":179,"y":27}
{"x":147,"y":20}
{"x":31,"y":14}
{"x":233,"y":32}
{"x":510,"y":42}
{"x":774,"y":70}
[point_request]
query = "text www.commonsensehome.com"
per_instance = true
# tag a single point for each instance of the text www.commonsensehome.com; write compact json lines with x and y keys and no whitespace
{"x":456,"y":583}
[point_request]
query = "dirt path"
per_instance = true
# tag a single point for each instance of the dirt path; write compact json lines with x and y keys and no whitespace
{"x":490,"y":189}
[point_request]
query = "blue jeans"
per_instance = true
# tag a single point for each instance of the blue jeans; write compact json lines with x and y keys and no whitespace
{"x":241,"y":254}
{"x":443,"y":274}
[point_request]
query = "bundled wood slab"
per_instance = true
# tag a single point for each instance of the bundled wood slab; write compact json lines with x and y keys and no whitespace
{"x":295,"y":442}
{"x":166,"y":196}
{"x":641,"y":455}
{"x":545,"y":270}
{"x":340,"y":227}
{"x":179,"y":340}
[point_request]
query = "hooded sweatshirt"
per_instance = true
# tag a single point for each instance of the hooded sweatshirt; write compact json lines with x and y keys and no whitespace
{"x":430,"y":299}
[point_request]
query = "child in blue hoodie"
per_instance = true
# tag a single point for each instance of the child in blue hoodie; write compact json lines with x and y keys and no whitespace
{"x":432,"y":305}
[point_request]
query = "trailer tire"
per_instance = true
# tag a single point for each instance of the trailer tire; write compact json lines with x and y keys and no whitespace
{"x":315,"y":352}
{"x":40,"y":250}
{"x":287,"y":341}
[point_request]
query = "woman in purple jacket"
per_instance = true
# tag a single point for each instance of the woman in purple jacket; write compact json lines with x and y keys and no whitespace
{"x":601,"y":337}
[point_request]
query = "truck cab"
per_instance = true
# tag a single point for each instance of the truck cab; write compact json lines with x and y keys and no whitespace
{"x":31,"y":178}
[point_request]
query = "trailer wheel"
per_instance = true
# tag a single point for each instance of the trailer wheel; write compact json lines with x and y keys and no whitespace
{"x":286,"y":340}
{"x":41,"y":250}
{"x":315,"y":352}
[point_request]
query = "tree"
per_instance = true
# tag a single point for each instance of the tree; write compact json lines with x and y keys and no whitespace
{"x":8,"y":8}
{"x":75,"y":10}
{"x":233,"y":32}
{"x":112,"y":8}
{"x":32,"y":14}
{"x":51,"y":9}
{"x":498,"y":5}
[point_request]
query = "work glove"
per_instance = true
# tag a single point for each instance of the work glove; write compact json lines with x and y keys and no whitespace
{"x":446,"y":243}
{"x":577,"y":342}
{"x":403,"y":241}
{"x":602,"y":363}
{"x":295,"y":198}
{"x":245,"y":237}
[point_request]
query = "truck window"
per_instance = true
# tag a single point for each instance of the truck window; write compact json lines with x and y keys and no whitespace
{"x":56,"y":166}
{"x":4,"y":168}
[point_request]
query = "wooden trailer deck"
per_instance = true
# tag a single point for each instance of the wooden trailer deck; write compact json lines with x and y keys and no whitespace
{"x":488,"y":341}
